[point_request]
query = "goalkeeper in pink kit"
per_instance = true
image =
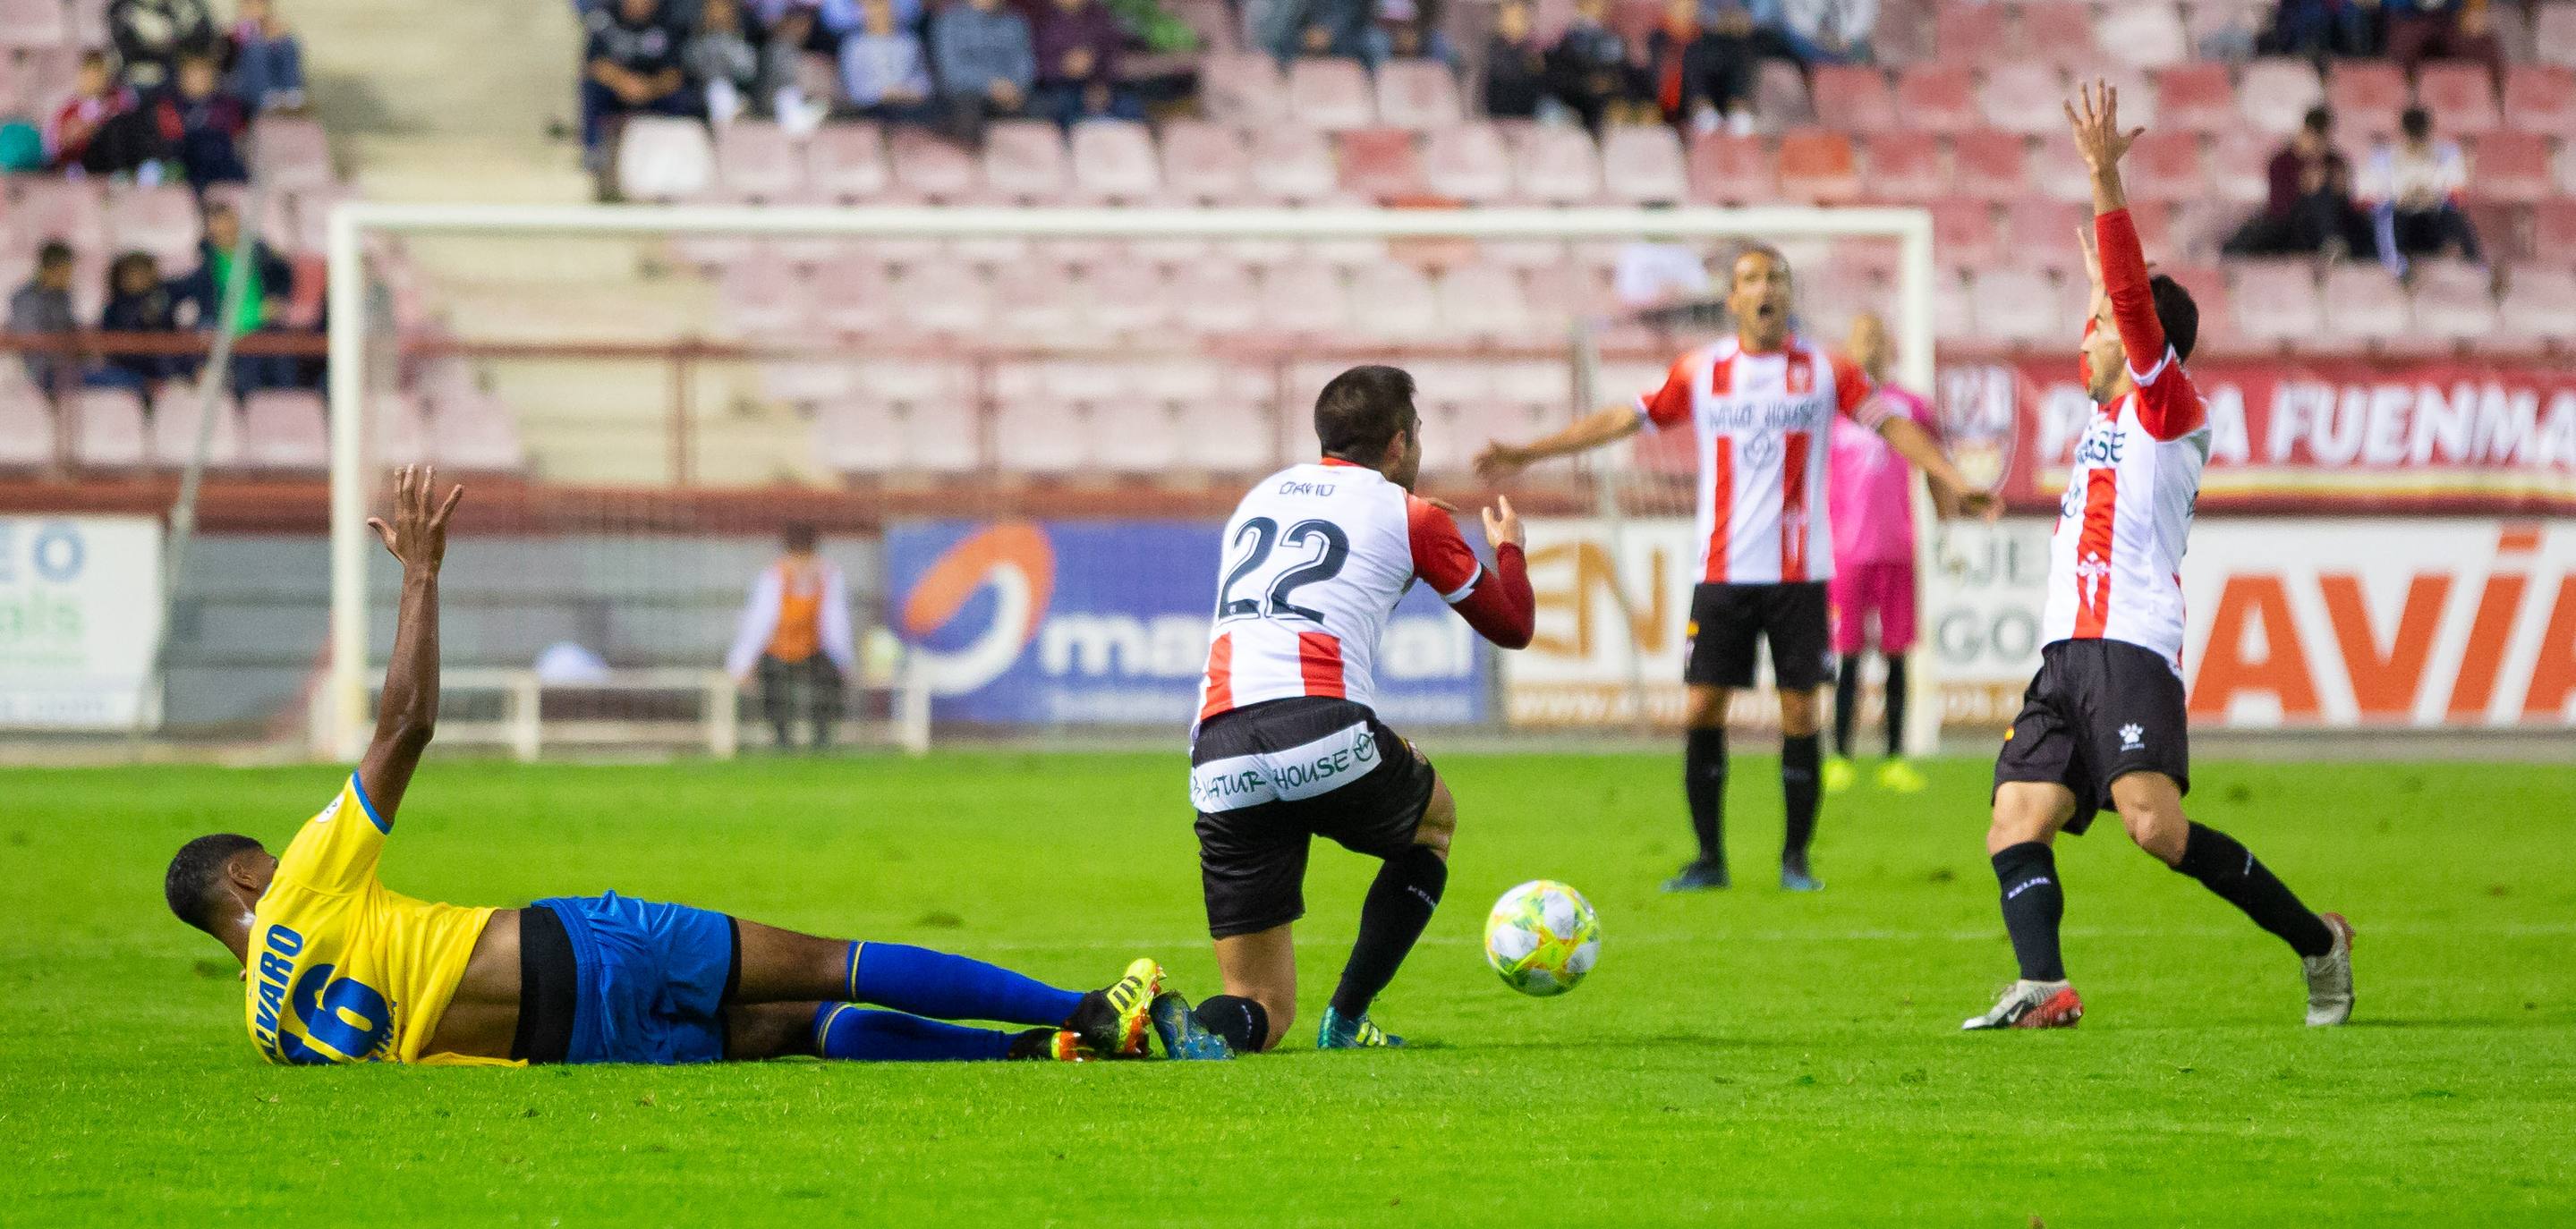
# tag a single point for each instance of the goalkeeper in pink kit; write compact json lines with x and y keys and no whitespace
{"x":1871,"y":494}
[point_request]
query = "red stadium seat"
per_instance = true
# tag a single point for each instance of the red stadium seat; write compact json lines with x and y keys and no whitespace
{"x":1937,"y":99}
{"x":1963,"y":233}
{"x":176,"y":413}
{"x":2058,"y":171}
{"x":858,"y":435}
{"x":2277,"y":303}
{"x":2025,"y":98}
{"x":2276,"y":94}
{"x":1215,"y":296}
{"x":1393,"y":302}
{"x":2209,"y":292}
{"x":291,"y":153}
{"x":2366,"y":97}
{"x":1024,"y":159}
{"x":160,"y":220}
{"x":399,"y":430}
{"x":1643,"y":166}
{"x":1467,"y":163}
{"x":929,"y":166}
{"x":2454,"y":301}
{"x":1987,"y":165}
{"x":1905,"y":35}
{"x":758,"y":297}
{"x":1417,"y":94}
{"x":2539,"y":306}
{"x":2554,"y":34}
{"x":2510,"y":166}
{"x":2460,"y":95}
{"x":1330,"y":94}
{"x":283,"y":429}
{"x":1484,"y":301}
{"x":1816,"y":166}
{"x":1558,"y":166}
{"x":1305,"y":299}
{"x":107,"y":431}
{"x":1113,"y":160}
{"x":1902,"y":168}
{"x":2143,"y":35}
{"x":1043,"y":436}
{"x":2056,"y":34}
{"x":26,"y":424}
{"x":1954,"y":309}
{"x":755,"y":161}
{"x":847,"y":162}
{"x":945,"y":297}
{"x":1379,"y":163}
{"x":1731,"y":170}
{"x":34,"y":24}
{"x":1968,"y":32}
{"x":1243,"y":88}
{"x":2553,"y":226}
{"x":2541,"y":98}
{"x":1293,"y":164}
{"x":1206,"y":163}
{"x":1229,"y":435}
{"x":1780,"y":97}
{"x":1854,"y":99}
{"x":2041,"y":234}
{"x":2240,"y":166}
{"x":2196,"y":98}
{"x":2365,"y":306}
{"x":2165,"y":165}
{"x":2021,"y":305}
{"x":1036,"y":298}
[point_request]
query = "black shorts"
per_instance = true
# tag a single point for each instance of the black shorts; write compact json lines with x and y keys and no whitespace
{"x":1726,"y":620}
{"x":1267,"y":778}
{"x":2097,"y":711}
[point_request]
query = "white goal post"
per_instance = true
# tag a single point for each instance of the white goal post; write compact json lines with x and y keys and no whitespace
{"x":341,"y":722}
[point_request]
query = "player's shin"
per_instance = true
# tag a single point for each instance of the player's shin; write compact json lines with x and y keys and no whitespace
{"x":1704,"y":785}
{"x":927,"y":983}
{"x":1895,"y":697}
{"x":1801,"y":759}
{"x":2033,"y":906}
{"x":2226,"y":868}
{"x":1846,"y":703}
{"x":1399,"y":905}
{"x":848,"y":1031}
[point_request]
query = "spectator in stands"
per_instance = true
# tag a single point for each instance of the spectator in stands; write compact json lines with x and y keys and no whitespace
{"x":1588,"y":69}
{"x":2320,"y":28}
{"x":838,"y":19}
{"x":1698,"y":76}
{"x":721,"y":62}
{"x":96,"y":99}
{"x":1516,"y":67}
{"x":984,"y":63}
{"x":44,"y":305}
{"x":793,"y":639}
{"x":1660,"y":278}
{"x":1077,"y":44}
{"x":2309,"y":208}
{"x":631,"y":66}
{"x":2420,"y":30}
{"x":202,"y":124}
{"x":782,"y":49}
{"x":1288,"y":29}
{"x":139,"y":301}
{"x":268,"y":61}
{"x":151,"y":35}
{"x":2414,"y":186}
{"x":1820,"y":31}
{"x":1406,"y":30}
{"x":263,"y":305}
{"x":883,"y":72}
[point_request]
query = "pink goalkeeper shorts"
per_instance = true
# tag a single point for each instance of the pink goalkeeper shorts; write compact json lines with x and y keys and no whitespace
{"x":1884,"y":591}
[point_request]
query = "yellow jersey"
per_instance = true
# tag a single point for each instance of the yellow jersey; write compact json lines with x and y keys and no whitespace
{"x":342,"y":970}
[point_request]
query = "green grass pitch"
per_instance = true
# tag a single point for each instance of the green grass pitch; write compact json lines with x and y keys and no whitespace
{"x":1749,"y":1057}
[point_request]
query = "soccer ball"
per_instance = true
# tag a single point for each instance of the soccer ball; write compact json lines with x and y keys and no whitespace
{"x":1542,"y":937}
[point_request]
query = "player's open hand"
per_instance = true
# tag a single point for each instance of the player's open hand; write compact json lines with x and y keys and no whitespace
{"x":417,"y":534}
{"x":1499,"y":461}
{"x":2095,"y":113}
{"x":1501,"y":523}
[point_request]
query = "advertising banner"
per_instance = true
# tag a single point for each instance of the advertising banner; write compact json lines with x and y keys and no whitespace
{"x":2306,"y":435}
{"x":80,"y":612}
{"x":1106,"y":623}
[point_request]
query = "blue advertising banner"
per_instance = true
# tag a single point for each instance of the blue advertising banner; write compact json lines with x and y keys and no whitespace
{"x":1106,"y":623}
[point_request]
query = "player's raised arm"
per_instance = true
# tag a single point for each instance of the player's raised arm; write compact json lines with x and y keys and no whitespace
{"x":1496,"y":600}
{"x":2117,"y":255}
{"x":408,"y":711}
{"x":1605,"y":426}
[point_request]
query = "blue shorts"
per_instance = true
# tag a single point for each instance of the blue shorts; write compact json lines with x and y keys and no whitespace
{"x":651,"y":980}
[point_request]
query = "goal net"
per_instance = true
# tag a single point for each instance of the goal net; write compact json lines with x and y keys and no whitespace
{"x":1015,"y":434}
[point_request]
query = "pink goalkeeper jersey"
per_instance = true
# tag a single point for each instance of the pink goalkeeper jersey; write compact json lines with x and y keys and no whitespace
{"x":1872,"y":488}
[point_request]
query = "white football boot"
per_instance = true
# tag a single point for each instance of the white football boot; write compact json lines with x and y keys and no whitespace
{"x":2330,"y":976}
{"x":2032,"y":1004}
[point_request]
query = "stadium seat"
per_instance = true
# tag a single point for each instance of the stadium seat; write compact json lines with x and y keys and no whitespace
{"x":2510,"y":166}
{"x":1467,"y":163}
{"x":1969,"y":32}
{"x":1417,"y":95}
{"x":1293,"y":164}
{"x":847,"y":162}
{"x":2144,"y":35}
{"x":2553,"y":32}
{"x":1557,"y":166}
{"x":2025,"y":98}
{"x":1643,"y":166}
{"x":853,"y":296}
{"x":2240,"y":165}
{"x":1024,"y":160}
{"x":176,"y":413}
{"x":1484,"y":302}
{"x":2196,"y":98}
{"x":1205,"y":163}
{"x":2209,"y":291}
{"x":1954,"y":310}
{"x":1113,"y":160}
{"x":1854,"y":99}
{"x":2553,"y":227}
{"x":2054,"y":34}
{"x":1330,"y":94}
{"x":1780,"y":97}
{"x":1243,"y":88}
{"x":1143,"y":437}
{"x":107,"y":431}
{"x":477,"y":434}
{"x":1393,"y":302}
{"x":2277,"y":303}
{"x":2454,"y":302}
{"x":1380,"y":164}
{"x":2366,"y":96}
{"x":1725,"y":169}
{"x":2460,"y":95}
{"x":1816,"y":166}
{"x":1215,"y":296}
{"x":759,"y":297}
{"x":2539,"y":306}
{"x":2018,"y":305}
{"x":1963,"y":232}
{"x":1126,"y":297}
{"x":48,"y":207}
{"x":2541,"y":98}
{"x":1906,"y":34}
{"x":1938,"y":99}
{"x":1228,"y":436}
{"x":26,"y":425}
{"x":33,"y":24}
{"x":809,"y":382}
{"x":928,"y":166}
{"x":660,"y":158}
{"x":1035,"y":299}
{"x":859,"y":435}
{"x":2364,"y":306}
{"x":2041,"y":234}
{"x":290,"y":153}
{"x":1900,"y":167}
{"x":2276,"y":94}
{"x":1040,"y":436}
{"x":757,"y":161}
{"x":2165,"y":165}
{"x":161,"y":220}
{"x":945,"y":296}
{"x":1305,"y":299}
{"x":2058,"y":171}
{"x":1987,"y":165}
{"x":282,"y":428}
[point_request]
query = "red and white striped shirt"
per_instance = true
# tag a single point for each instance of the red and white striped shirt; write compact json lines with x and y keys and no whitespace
{"x":1765,"y":423}
{"x":2115,"y":561}
{"x":1316,"y":557}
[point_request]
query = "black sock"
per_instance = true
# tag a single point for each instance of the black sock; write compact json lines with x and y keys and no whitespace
{"x":1244,"y":1024}
{"x":2223,"y":866}
{"x":1798,"y":760}
{"x":2033,"y":906}
{"x":1846,"y":704}
{"x":1704,"y":784}
{"x":1399,"y":905}
{"x":1895,"y":705}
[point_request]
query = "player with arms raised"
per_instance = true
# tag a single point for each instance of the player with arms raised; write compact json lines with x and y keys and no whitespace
{"x":1763,"y":403}
{"x":1287,"y":745}
{"x":2103,"y":722}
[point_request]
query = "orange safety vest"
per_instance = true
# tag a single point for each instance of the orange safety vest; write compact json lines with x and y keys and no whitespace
{"x":799,"y":634}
